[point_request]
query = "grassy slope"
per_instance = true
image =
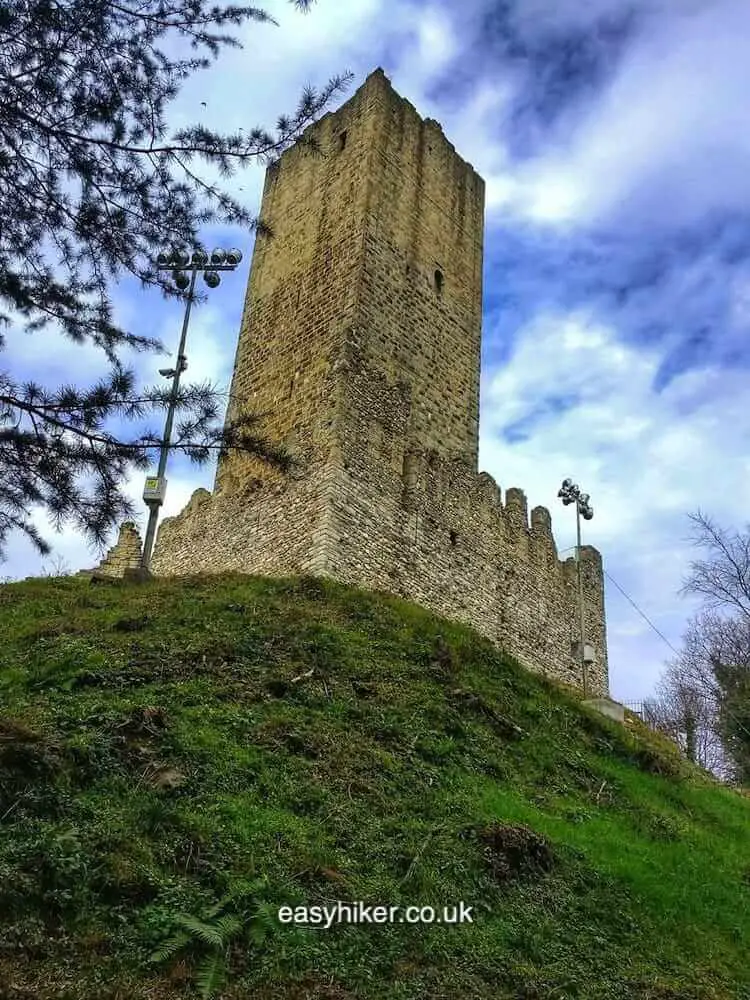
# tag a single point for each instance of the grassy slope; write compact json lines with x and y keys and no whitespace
{"x":156,"y":759}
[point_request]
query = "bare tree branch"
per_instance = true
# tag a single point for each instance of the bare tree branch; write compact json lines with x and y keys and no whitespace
{"x":707,"y":688}
{"x":723,"y":577}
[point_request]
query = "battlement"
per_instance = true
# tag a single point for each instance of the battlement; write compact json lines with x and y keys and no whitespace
{"x":360,"y":342}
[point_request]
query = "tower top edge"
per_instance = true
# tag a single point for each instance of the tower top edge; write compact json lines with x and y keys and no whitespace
{"x":378,"y":82}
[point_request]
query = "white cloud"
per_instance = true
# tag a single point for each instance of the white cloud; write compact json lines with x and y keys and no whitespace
{"x":436,"y":43}
{"x":675,"y":115}
{"x":49,"y":357}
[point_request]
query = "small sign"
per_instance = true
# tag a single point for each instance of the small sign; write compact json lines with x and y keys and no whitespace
{"x":154,"y":489}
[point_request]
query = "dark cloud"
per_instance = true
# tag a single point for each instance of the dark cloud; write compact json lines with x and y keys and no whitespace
{"x":552,"y":405}
{"x":675,"y":289}
{"x":557,"y":65}
{"x":559,"y":72}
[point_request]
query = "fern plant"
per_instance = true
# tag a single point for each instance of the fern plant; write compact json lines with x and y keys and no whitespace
{"x":208,"y":938}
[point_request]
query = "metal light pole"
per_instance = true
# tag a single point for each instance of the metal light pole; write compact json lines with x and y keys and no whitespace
{"x":179,"y":262}
{"x":569,"y":493}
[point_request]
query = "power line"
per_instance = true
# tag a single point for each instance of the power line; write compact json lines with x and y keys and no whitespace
{"x":703,"y":699}
{"x":643,"y":615}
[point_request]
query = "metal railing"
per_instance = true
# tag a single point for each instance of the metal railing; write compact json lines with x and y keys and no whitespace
{"x":641,"y":709}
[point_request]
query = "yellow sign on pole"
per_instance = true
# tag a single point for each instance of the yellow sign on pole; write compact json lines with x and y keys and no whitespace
{"x":154,"y":489}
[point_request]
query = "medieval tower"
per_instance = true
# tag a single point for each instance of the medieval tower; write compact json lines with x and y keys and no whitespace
{"x":360,"y":347}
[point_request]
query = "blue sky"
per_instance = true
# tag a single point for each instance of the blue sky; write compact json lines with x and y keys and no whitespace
{"x":614,"y":139}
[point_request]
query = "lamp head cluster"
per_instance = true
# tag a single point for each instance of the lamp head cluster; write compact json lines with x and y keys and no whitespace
{"x":179,"y":261}
{"x":570,"y":492}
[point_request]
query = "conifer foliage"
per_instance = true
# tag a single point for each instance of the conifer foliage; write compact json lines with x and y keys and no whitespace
{"x":93,"y":184}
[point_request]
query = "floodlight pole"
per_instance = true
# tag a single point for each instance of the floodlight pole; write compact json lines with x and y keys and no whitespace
{"x":570,"y":493}
{"x":179,"y":262}
{"x":582,"y":647}
{"x":154,"y":505}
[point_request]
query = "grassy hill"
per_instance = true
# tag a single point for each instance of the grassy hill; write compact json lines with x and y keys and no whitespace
{"x":178,"y":760}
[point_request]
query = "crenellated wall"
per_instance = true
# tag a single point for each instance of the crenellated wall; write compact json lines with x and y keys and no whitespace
{"x":360,"y":342}
{"x":447,"y":542}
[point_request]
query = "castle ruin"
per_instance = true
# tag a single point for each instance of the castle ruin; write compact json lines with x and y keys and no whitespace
{"x":360,"y":343}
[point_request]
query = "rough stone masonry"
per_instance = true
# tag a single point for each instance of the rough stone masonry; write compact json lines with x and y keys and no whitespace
{"x":124,"y":556}
{"x":360,"y":343}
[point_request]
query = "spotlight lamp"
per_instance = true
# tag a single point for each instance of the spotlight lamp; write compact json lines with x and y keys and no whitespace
{"x":568,"y":492}
{"x":180,"y":260}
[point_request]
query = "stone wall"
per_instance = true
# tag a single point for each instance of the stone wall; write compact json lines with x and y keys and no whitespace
{"x":360,"y":346}
{"x":124,"y":555}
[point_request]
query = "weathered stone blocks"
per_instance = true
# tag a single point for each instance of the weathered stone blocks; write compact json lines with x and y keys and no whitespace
{"x":124,"y":555}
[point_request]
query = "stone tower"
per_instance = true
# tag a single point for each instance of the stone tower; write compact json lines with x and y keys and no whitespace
{"x":360,"y":348}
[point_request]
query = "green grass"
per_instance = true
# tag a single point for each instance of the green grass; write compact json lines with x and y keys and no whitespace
{"x":180,"y":759}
